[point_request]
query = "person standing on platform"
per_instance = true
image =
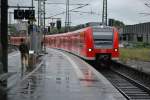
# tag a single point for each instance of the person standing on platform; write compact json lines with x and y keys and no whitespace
{"x":24,"y":50}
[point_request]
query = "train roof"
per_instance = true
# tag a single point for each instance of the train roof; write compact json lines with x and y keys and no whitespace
{"x":94,"y":28}
{"x":69,"y":33}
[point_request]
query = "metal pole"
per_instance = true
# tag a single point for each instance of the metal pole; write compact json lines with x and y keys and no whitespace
{"x":31,"y":30}
{"x":68,"y":17}
{"x":4,"y":33}
{"x":38,"y":13}
{"x":44,"y":14}
{"x":32,"y":4}
{"x":67,"y":20}
{"x":44,"y":26}
{"x":104,"y":15}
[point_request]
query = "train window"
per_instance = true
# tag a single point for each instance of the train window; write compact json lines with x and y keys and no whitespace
{"x":103,"y":33}
{"x":103,"y":38}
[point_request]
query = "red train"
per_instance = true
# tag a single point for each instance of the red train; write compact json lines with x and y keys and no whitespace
{"x":16,"y":40}
{"x":96,"y":43}
{"x":91,"y":43}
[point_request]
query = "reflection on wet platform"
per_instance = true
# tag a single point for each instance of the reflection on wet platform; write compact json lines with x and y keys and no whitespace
{"x":57,"y":78}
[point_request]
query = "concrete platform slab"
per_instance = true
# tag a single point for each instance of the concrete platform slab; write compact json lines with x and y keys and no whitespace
{"x":62,"y":76}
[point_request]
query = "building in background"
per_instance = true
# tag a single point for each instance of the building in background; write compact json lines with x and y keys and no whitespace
{"x":137,"y":33}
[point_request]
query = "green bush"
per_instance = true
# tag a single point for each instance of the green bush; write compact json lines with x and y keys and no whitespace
{"x":142,"y":54}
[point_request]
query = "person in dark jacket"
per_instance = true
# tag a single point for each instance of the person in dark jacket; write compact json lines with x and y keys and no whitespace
{"x":24,"y":50}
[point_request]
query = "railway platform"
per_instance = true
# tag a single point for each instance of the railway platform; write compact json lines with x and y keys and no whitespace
{"x":59,"y":76}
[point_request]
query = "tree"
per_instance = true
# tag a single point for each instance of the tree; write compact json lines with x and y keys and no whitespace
{"x":116,"y":23}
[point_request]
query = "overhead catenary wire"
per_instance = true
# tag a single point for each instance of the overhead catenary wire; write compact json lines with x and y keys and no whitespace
{"x":65,"y":11}
{"x":92,"y":13}
{"x":146,"y":13}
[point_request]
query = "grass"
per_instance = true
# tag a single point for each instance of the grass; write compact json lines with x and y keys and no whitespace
{"x":142,"y":54}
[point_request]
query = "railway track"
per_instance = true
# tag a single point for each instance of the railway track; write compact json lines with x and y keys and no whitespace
{"x":130,"y":88}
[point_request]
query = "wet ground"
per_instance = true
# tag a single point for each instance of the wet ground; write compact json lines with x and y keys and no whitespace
{"x":16,"y":72}
{"x":57,"y":77}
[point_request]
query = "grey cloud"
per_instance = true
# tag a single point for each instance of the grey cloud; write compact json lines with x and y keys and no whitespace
{"x":124,"y":10}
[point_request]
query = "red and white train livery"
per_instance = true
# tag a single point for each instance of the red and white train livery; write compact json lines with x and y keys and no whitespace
{"x":91,"y":43}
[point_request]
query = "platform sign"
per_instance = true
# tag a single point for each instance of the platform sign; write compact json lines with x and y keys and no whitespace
{"x":30,"y":14}
{"x":24,"y":14}
{"x":18,"y":14}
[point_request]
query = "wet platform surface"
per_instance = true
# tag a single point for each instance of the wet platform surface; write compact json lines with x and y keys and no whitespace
{"x":60,"y":76}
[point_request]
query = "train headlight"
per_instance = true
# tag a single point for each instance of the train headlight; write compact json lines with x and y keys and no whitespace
{"x":116,"y":50}
{"x":90,"y":50}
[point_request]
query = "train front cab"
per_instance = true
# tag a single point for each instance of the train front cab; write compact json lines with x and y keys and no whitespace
{"x":105,"y":44}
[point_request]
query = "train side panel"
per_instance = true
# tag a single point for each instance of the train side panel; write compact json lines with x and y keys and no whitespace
{"x":82,"y":42}
{"x":89,"y":47}
{"x":115,"y":53}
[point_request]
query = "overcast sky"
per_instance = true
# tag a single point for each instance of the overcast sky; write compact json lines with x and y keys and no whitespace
{"x":123,"y":10}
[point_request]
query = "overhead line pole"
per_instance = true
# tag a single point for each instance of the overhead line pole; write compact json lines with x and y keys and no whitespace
{"x":38,"y":13}
{"x":44,"y":28}
{"x":67,"y":20}
{"x":41,"y":21}
{"x":104,"y":15}
{"x":31,"y":44}
{"x":44,"y":13}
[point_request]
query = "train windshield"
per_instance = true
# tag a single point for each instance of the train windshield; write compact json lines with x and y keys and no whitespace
{"x":103,"y":37}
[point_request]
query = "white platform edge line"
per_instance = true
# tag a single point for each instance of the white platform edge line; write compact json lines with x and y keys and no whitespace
{"x":39,"y":65}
